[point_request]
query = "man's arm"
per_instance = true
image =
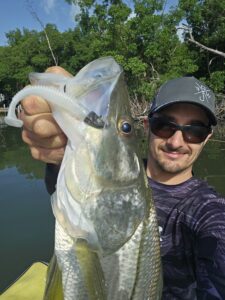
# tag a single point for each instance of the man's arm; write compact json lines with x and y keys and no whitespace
{"x":210,"y":252}
{"x":51,"y":174}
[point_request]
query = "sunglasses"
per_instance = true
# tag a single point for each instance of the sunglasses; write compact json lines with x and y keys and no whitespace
{"x":164,"y":128}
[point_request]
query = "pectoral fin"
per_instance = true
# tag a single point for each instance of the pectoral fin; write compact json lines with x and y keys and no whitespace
{"x":92,"y":271}
{"x":53,"y":289}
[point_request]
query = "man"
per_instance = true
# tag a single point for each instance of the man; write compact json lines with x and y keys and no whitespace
{"x":191,"y":215}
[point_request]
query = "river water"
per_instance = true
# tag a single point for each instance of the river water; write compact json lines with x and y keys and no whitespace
{"x":26,"y":220}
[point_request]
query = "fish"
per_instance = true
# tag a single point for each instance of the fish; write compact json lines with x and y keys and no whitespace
{"x":107,"y":243}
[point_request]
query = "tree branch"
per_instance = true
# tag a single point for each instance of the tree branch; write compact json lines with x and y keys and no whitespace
{"x":192,"y":40}
{"x":35,"y":16}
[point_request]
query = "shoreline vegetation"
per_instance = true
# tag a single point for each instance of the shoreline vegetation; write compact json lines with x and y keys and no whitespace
{"x":146,"y":39}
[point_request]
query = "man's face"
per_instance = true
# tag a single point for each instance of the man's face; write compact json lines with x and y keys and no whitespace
{"x":174,"y":155}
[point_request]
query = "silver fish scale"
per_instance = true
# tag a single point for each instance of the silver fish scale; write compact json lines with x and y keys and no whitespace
{"x":73,"y":285}
{"x":127,"y":272}
{"x":120,"y":268}
{"x":148,"y":264}
{"x":132,"y":273}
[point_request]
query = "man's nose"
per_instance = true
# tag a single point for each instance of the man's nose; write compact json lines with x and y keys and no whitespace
{"x":176,"y":140}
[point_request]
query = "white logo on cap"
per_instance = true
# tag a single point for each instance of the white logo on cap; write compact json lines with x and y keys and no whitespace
{"x":203,"y":92}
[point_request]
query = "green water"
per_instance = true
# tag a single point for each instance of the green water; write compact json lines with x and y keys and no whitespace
{"x":26,"y":220}
{"x":211,"y":165}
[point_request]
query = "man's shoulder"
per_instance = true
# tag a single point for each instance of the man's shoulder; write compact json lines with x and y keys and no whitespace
{"x":206,"y":191}
{"x":208,"y":208}
{"x":203,"y":186}
{"x":193,"y":186}
{"x":193,"y":197}
{"x":204,"y":196}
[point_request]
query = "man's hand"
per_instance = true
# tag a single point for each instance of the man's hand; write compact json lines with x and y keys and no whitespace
{"x":40,"y":131}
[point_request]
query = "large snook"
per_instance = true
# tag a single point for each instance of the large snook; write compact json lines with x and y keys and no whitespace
{"x":106,"y":241}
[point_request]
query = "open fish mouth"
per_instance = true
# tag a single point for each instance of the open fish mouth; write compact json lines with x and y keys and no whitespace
{"x":74,"y":95}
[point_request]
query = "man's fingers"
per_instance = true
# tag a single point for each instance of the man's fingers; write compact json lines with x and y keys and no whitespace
{"x":40,"y":131}
{"x":43,"y":125}
{"x":58,"y":70}
{"x":53,"y":142}
{"x":35,"y":105}
{"x":53,"y":156}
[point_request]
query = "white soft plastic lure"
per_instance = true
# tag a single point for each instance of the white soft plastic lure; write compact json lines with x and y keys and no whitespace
{"x":106,"y":243}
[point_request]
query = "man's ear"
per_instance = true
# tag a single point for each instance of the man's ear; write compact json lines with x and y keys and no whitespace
{"x":208,"y":137}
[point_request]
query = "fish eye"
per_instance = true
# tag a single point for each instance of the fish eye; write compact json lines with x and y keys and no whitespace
{"x":125,"y":127}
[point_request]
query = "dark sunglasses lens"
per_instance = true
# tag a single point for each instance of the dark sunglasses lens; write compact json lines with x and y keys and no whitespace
{"x":191,"y":133}
{"x":162,"y":128}
{"x":195,"y":134}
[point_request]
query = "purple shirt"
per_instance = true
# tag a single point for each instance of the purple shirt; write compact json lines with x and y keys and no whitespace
{"x":191,"y":219}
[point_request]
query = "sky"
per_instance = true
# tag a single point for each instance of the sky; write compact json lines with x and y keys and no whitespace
{"x":17,"y":14}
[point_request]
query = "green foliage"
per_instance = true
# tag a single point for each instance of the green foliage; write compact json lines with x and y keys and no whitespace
{"x":217,"y":81}
{"x":207,"y":20}
{"x":141,"y":36}
{"x":27,"y":51}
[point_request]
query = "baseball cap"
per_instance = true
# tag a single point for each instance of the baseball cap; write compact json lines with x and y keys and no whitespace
{"x":188,"y":90}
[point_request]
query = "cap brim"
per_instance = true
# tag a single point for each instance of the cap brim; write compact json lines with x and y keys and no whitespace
{"x":211,"y":116}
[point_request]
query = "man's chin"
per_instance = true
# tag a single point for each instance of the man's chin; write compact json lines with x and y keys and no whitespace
{"x":171,"y":168}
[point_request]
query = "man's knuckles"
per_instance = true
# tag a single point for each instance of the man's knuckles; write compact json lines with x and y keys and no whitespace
{"x":33,"y":105}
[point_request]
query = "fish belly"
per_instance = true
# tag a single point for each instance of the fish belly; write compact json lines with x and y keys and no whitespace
{"x":72,"y":278}
{"x":131,"y":273}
